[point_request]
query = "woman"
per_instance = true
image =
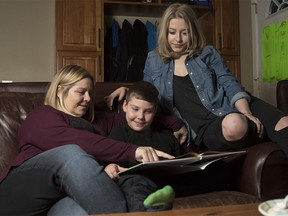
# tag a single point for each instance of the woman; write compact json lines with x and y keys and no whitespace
{"x":57,"y":147}
{"x":195,"y":84}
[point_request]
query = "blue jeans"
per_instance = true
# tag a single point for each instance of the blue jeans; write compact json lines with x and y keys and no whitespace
{"x":66,"y":206}
{"x":35,"y":186}
{"x":136,"y":188}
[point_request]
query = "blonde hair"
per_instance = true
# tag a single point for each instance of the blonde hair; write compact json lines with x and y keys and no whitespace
{"x":196,"y":40}
{"x":66,"y":78}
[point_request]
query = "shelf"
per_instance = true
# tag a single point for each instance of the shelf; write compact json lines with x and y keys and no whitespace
{"x":134,"y":3}
{"x":154,"y":9}
{"x":152,"y":4}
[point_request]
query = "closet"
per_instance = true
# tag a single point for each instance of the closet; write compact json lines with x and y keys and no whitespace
{"x":84,"y":34}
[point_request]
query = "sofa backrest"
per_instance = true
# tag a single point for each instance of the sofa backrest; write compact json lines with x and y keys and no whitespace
{"x":28,"y":87}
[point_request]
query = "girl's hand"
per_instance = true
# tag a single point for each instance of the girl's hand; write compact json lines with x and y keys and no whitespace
{"x":146,"y":154}
{"x":181,"y":134}
{"x":243,"y":106}
{"x":112,"y":171}
{"x":120,"y":93}
{"x":259,"y":125}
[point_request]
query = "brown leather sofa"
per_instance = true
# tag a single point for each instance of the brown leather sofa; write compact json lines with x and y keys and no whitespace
{"x":259,"y":175}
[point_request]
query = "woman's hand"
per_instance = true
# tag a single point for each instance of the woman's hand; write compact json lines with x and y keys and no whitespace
{"x":120,"y":93}
{"x":181,"y":134}
{"x":112,"y":171}
{"x":146,"y":154}
{"x":259,"y":125}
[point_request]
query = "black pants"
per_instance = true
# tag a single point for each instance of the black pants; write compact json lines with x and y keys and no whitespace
{"x":136,"y":189}
{"x":268,"y":114}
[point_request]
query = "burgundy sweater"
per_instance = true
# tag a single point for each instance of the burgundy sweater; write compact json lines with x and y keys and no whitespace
{"x":46,"y":128}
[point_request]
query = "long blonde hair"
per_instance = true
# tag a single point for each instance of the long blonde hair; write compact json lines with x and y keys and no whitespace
{"x":196,"y":40}
{"x":66,"y":77}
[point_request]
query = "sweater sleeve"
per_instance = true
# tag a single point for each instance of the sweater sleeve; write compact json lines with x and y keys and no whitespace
{"x":46,"y":128}
{"x":106,"y":121}
{"x":170,"y":122}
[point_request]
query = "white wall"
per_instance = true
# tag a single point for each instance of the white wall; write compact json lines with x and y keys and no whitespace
{"x":27,"y":40}
{"x":246,"y":45}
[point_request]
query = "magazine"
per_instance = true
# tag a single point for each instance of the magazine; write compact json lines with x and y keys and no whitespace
{"x":185,"y":163}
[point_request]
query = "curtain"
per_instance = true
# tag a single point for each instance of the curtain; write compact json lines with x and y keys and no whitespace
{"x":275,"y":52}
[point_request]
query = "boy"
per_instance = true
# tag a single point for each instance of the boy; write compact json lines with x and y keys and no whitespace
{"x":140,"y":107}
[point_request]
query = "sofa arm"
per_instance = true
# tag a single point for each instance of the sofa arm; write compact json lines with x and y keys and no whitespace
{"x":264,"y":172}
{"x":282,"y":96}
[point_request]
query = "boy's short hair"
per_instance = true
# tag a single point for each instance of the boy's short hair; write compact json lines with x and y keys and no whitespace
{"x":143,"y":90}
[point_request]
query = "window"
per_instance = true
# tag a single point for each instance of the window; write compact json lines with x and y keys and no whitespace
{"x":277,"y":5}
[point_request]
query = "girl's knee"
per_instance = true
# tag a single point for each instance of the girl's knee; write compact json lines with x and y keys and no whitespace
{"x":282,"y":123}
{"x":234,"y":127}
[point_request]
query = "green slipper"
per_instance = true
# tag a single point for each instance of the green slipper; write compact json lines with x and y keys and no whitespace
{"x":160,"y":200}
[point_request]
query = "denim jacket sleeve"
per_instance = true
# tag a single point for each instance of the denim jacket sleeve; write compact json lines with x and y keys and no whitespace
{"x":224,"y":79}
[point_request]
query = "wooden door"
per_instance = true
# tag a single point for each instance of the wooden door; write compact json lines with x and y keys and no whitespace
{"x":78,"y":35}
{"x":227,"y":26}
{"x":226,"y":33}
{"x":233,"y":63}
{"x":91,"y":61}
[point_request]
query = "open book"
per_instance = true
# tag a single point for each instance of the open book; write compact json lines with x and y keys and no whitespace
{"x":185,"y":163}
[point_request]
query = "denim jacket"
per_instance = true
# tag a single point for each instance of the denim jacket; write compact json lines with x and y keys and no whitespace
{"x":217,"y":88}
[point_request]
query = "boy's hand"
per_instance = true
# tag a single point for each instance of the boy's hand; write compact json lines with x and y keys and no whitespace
{"x":112,"y":171}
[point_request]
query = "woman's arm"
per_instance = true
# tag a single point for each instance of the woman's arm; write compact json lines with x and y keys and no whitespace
{"x":106,"y":121}
{"x":46,"y":128}
{"x":233,"y":89}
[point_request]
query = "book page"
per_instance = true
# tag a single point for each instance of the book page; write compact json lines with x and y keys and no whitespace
{"x":184,"y":163}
